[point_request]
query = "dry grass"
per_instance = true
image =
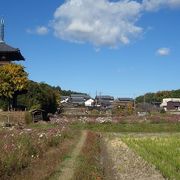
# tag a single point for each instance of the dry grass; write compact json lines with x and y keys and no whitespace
{"x":89,"y":160}
{"x":21,"y":148}
{"x":14,"y":117}
{"x":45,"y":167}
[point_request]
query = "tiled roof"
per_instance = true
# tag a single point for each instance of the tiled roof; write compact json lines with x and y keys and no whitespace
{"x":125,"y":99}
{"x":8,"y":53}
{"x":85,"y":96}
{"x":105,"y":97}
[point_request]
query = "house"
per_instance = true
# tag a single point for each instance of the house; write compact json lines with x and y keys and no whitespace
{"x":89,"y":103}
{"x":104,"y":101}
{"x":38,"y":115}
{"x":79,"y":99}
{"x":171,"y":104}
{"x":64,"y":99}
{"x":85,"y":96}
{"x":124,"y":103}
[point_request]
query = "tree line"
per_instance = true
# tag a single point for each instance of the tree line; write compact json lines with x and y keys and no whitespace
{"x":158,"y":96}
{"x":18,"y":92}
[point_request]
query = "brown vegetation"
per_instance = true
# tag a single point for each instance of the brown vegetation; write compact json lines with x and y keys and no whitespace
{"x":89,"y":159}
{"x":22,"y":148}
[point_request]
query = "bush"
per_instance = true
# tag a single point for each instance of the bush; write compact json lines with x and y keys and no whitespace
{"x":28,"y":118}
{"x":40,"y":96}
{"x":162,"y":111}
{"x":95,"y":112}
{"x":54,"y":141}
{"x":3,"y":104}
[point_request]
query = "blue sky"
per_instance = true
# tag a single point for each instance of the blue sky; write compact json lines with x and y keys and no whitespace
{"x":119,"y":48}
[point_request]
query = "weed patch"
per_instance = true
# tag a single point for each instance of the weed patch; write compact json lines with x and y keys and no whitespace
{"x":19,"y":148}
{"x":89,"y":159}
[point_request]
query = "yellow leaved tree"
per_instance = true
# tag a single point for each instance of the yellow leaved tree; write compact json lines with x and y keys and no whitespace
{"x":13,"y":81}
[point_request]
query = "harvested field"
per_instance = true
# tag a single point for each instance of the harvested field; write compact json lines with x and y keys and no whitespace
{"x":162,"y":151}
{"x":127,"y":165}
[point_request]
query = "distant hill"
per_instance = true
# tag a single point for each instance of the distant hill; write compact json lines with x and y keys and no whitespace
{"x":158,"y":96}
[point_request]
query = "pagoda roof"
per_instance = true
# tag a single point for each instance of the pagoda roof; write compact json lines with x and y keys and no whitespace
{"x":8,"y":53}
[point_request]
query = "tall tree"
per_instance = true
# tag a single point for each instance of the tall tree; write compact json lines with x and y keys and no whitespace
{"x":40,"y":96}
{"x":13,"y":81}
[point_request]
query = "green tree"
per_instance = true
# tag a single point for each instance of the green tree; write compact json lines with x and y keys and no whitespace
{"x":158,"y":96}
{"x":40,"y":96}
{"x":13,"y":81}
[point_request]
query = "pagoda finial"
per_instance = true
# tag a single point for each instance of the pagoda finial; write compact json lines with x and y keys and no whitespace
{"x":2,"y":30}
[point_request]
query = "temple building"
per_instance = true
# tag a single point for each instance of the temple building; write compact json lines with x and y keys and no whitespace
{"x":7,"y":53}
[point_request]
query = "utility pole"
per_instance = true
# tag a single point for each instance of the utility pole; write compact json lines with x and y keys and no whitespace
{"x":96,"y":99}
{"x":134,"y":97}
{"x":100,"y":98}
{"x":144,"y":102}
{"x":144,"y":99}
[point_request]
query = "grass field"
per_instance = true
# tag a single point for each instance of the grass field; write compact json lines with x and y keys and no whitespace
{"x":163,"y":152}
{"x":133,"y":127}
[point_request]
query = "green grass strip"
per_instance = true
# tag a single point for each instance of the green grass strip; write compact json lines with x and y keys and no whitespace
{"x":136,"y":127}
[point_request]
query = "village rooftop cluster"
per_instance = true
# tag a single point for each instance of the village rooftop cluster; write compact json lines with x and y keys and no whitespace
{"x":108,"y":102}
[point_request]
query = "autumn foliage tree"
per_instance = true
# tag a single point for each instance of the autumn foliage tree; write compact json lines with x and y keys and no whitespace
{"x":13,"y":81}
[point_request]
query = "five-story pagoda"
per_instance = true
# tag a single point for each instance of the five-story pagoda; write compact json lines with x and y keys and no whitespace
{"x":7,"y":53}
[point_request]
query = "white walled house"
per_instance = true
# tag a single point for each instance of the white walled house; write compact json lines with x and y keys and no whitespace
{"x":171,"y":104}
{"x":89,"y":103}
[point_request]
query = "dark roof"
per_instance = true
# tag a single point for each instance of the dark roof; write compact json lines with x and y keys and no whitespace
{"x":125,"y":99}
{"x":173,"y":103}
{"x":8,"y":53}
{"x":105,"y":102}
{"x":85,"y":96}
{"x":37,"y":110}
{"x":78,"y":100}
{"x":64,"y":97}
{"x":105,"y":97}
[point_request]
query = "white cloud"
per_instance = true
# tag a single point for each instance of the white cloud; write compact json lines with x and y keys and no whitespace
{"x":163,"y":51}
{"x":103,"y":22}
{"x":152,"y":5}
{"x":100,"y":23}
{"x":40,"y":30}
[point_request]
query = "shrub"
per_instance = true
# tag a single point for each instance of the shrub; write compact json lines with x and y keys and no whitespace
{"x":28,"y":118}
{"x":95,"y":112}
{"x":3,"y":104}
{"x":162,"y":111}
{"x":54,"y":141}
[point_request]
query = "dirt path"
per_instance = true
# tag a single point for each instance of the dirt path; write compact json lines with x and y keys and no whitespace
{"x":68,"y":166}
{"x":125,"y":164}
